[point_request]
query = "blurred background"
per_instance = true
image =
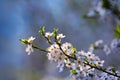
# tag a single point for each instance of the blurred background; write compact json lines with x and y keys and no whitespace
{"x":23,"y":18}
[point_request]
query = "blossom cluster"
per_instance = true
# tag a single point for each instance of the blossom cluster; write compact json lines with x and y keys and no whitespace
{"x":102,"y":8}
{"x":79,"y":67}
{"x":29,"y":49}
{"x":99,"y":44}
{"x":82,"y":65}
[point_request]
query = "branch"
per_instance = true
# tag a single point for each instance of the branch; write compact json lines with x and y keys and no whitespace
{"x":39,"y":48}
{"x":98,"y":68}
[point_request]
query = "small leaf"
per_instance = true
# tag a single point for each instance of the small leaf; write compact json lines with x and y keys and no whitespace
{"x":93,"y":46}
{"x":117,"y":34}
{"x":85,"y":16}
{"x":47,"y":49}
{"x":59,"y":42}
{"x":74,"y":49}
{"x":55,"y":32}
{"x":94,"y":65}
{"x":118,"y":28}
{"x":86,"y":59}
{"x":113,"y":69}
{"x":42,"y":30}
{"x":66,"y":58}
{"x":103,"y":69}
{"x":73,"y":72}
{"x":24,"y":41}
{"x":117,"y":31}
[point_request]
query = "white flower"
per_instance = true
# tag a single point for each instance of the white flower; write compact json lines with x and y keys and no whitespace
{"x":48,"y":34}
{"x":29,"y":49}
{"x":114,"y":43}
{"x":91,"y":13}
{"x":60,"y":36}
{"x":67,"y":48}
{"x":105,"y":76}
{"x":74,"y":66}
{"x":31,"y":39}
{"x":91,"y":49}
{"x":68,"y":63}
{"x":91,"y":58}
{"x":98,"y":7}
{"x":81,"y":53}
{"x":90,"y":55}
{"x":55,"y":54}
{"x":99,"y":63}
{"x":106,"y":49}
{"x":98,"y":43}
{"x":118,"y":73}
{"x":60,"y":66}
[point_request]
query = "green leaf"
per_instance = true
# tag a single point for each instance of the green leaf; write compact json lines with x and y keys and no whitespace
{"x":117,"y":34}
{"x":74,"y":49}
{"x":94,"y":65}
{"x":24,"y":41}
{"x":85,"y":16}
{"x":93,"y":46}
{"x":113,"y":69}
{"x":55,"y":32}
{"x":42,"y":30}
{"x":86,"y":59}
{"x":101,"y":68}
{"x":73,"y":72}
{"x":117,"y":31}
{"x":66,"y":58}
{"x":118,"y":28}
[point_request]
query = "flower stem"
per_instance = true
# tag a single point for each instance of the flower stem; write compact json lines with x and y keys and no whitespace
{"x":98,"y":68}
{"x":39,"y":48}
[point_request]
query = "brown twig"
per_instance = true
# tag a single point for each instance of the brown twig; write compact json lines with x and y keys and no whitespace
{"x":98,"y":68}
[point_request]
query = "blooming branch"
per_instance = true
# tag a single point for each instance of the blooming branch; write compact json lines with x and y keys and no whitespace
{"x":82,"y":65}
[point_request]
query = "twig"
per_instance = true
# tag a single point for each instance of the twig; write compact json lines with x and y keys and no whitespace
{"x":98,"y":68}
